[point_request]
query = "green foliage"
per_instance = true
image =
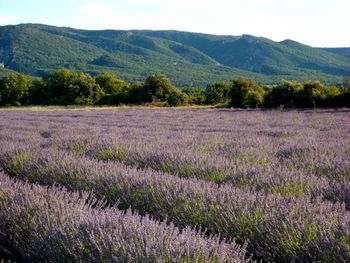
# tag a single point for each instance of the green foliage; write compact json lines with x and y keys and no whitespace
{"x":67,"y":87}
{"x":176,"y":98}
{"x":186,"y":58}
{"x":57,"y":85}
{"x":218,"y":93}
{"x":117,"y":91}
{"x":34,"y":51}
{"x":316,"y":94}
{"x":110,"y":83}
{"x":158,"y":88}
{"x":14,"y":89}
{"x":309,"y":94}
{"x":253,"y":99}
{"x":343,"y":100}
{"x":283,"y":95}
{"x":83,"y":90}
{"x":246,"y":93}
{"x":64,"y":87}
{"x":112,"y":99}
{"x":136,"y":93}
{"x":195,"y":95}
{"x":262,"y":55}
{"x":38,"y":93}
{"x":343,"y":51}
{"x":325,"y":96}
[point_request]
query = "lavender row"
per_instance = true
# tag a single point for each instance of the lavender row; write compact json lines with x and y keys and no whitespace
{"x":51,"y":224}
{"x":291,"y":228}
{"x":210,"y":144}
{"x":291,"y":152}
{"x":245,"y":171}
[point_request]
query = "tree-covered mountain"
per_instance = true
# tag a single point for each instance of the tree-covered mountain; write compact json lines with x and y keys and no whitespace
{"x":343,"y":51}
{"x":186,"y":58}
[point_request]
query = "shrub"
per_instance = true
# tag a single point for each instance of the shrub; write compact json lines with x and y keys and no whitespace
{"x":217,"y":93}
{"x":253,"y":99}
{"x":325,"y":96}
{"x":14,"y":89}
{"x":136,"y":93}
{"x":52,"y":224}
{"x":314,"y":94}
{"x":176,"y":98}
{"x":38,"y":93}
{"x":57,"y":85}
{"x":246,"y":93}
{"x":283,"y":95}
{"x":83,"y":90}
{"x":110,"y":83}
{"x":343,"y":99}
{"x":111,"y":99}
{"x":195,"y":95}
{"x":159,"y":90}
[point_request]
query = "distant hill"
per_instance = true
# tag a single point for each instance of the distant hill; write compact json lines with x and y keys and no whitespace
{"x":343,"y":51}
{"x":186,"y":58}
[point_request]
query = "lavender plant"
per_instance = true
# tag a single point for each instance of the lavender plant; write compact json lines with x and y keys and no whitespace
{"x":54,"y":225}
{"x":297,"y":228}
{"x":279,"y":179}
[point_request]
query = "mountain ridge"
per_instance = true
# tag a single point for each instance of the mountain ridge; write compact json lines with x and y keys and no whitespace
{"x":186,"y":58}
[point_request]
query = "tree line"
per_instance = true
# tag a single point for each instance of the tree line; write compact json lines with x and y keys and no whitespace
{"x":67,"y":87}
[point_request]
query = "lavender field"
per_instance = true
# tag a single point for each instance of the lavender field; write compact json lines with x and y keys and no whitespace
{"x":174,"y":185}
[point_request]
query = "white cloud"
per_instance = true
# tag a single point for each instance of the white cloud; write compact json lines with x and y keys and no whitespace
{"x":5,"y":20}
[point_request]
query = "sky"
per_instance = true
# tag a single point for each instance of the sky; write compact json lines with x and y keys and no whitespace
{"x":318,"y":23}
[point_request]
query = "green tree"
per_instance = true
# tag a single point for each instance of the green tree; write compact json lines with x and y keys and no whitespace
{"x":176,"y":98}
{"x":38,"y":92}
{"x":195,"y":95}
{"x":283,"y":95}
{"x":253,"y":99}
{"x":137,"y":93}
{"x":158,"y":88}
{"x":217,"y":93}
{"x":64,"y":87}
{"x":58,"y":86}
{"x":110,"y":83}
{"x":14,"y":89}
{"x":325,"y":96}
{"x":343,"y":100}
{"x":246,"y":93}
{"x":83,"y":90}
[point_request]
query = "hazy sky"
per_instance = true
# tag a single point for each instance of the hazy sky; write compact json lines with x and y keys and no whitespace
{"x":318,"y":23}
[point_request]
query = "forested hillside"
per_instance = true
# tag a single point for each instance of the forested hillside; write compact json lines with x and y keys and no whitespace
{"x":188,"y":59}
